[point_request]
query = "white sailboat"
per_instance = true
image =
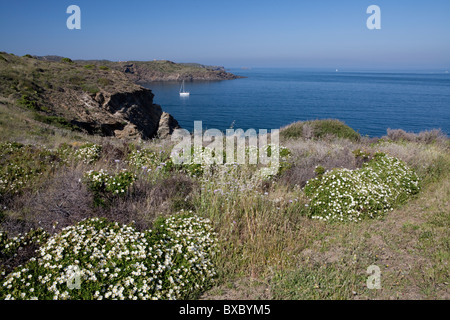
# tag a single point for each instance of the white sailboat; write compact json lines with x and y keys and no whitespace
{"x":183,"y":93}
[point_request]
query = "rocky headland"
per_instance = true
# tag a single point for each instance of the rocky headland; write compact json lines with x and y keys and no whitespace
{"x":93,"y":98}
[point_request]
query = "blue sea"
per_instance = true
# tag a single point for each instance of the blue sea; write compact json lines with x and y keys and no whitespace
{"x":369,"y":102}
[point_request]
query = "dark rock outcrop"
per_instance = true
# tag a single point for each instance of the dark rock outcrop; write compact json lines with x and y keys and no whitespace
{"x":123,"y":114}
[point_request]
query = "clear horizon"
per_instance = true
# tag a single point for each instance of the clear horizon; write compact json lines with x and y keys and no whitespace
{"x":414,"y":35}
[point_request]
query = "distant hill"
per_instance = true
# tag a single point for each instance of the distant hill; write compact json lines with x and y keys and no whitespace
{"x":164,"y":70}
{"x":157,"y":70}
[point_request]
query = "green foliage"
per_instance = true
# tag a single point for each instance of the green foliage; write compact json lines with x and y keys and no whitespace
{"x":28,"y":56}
{"x":66,"y":60}
{"x":335,"y":128}
{"x":105,"y":186}
{"x":97,"y":259}
{"x":29,"y":102}
{"x":293,"y":131}
{"x":362,"y":154}
{"x":76,"y":80}
{"x":89,"y":66}
{"x":20,"y":165}
{"x":90,"y":88}
{"x":56,"y":121}
{"x":320,"y":129}
{"x":10,"y":246}
{"x":104,"y":82}
{"x":351,"y":195}
{"x":319,"y":171}
{"x":103,"y":68}
{"x":88,"y":153}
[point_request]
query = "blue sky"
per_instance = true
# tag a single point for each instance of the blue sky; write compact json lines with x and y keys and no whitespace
{"x":322,"y":33}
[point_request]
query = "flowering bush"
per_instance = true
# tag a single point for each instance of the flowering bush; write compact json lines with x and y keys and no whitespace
{"x":97,"y":259}
{"x":88,"y":153}
{"x":104,"y":185}
{"x":195,"y":167}
{"x":144,"y":159}
{"x":283,"y":157}
{"x":350,"y":195}
{"x":22,"y":164}
{"x":151,"y":162}
{"x":10,"y":246}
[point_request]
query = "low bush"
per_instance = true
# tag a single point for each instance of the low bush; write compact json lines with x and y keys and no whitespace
{"x":351,"y":195}
{"x":88,"y":153}
{"x":105,"y":185}
{"x":56,"y":121}
{"x":98,"y":259}
{"x":29,"y":102}
{"x":319,"y":129}
{"x":20,"y":165}
{"x":104,"y":82}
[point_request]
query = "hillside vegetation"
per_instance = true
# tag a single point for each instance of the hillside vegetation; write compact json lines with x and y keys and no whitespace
{"x":87,"y":98}
{"x":194,"y":231}
{"x":163,"y":70}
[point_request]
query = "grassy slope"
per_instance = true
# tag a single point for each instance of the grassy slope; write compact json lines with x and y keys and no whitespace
{"x":289,"y":256}
{"x":270,"y":249}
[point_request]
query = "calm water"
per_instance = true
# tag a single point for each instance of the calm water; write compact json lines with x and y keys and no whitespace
{"x":271,"y":98}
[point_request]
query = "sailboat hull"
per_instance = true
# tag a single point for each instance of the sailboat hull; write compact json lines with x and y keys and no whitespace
{"x":182,"y":92}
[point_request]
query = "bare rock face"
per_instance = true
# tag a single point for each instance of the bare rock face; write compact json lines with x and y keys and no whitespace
{"x":167,"y":124}
{"x":129,"y":114}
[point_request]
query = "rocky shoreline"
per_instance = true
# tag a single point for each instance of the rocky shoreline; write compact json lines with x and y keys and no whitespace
{"x":84,"y":97}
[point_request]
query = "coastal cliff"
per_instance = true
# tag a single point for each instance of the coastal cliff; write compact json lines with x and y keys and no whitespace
{"x":90,"y":98}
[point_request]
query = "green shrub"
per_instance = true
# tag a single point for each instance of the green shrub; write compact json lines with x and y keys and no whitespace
{"x":319,"y":171}
{"x":103,"y":68}
{"x":351,"y":195}
{"x":10,"y":246}
{"x":76,"y":80}
{"x":21,"y":165}
{"x":97,"y":259}
{"x":28,"y":56}
{"x":104,"y":82}
{"x":55,"y":121}
{"x":144,"y":159}
{"x":151,"y":162}
{"x":29,"y":102}
{"x":89,"y":66}
{"x":89,"y":88}
{"x":105,"y":186}
{"x":320,"y":129}
{"x":335,"y":128}
{"x":66,"y":60}
{"x":88,"y":153}
{"x":293,"y":131}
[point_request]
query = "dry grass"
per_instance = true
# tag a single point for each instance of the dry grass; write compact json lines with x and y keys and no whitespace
{"x":269,"y":248}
